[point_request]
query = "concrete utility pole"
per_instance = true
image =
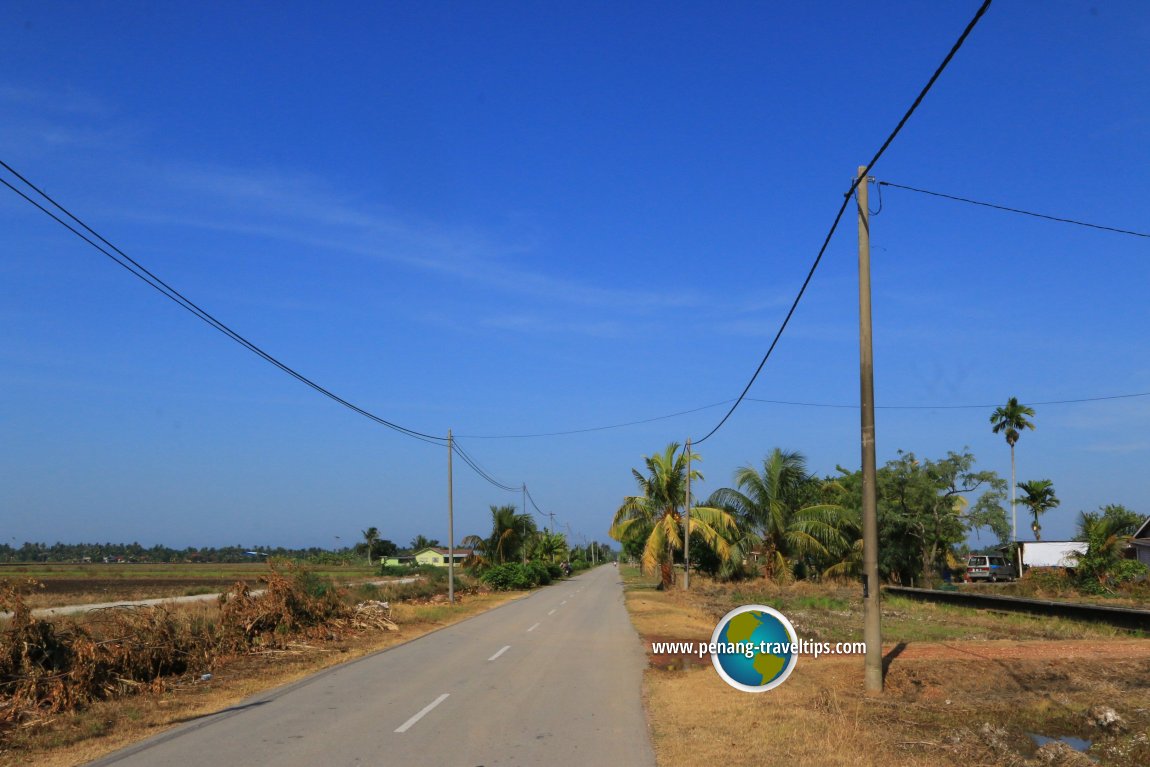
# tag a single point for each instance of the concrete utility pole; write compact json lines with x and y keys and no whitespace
{"x":450,"y":524}
{"x":872,"y":630}
{"x":523,"y":543}
{"x":687,"y":524}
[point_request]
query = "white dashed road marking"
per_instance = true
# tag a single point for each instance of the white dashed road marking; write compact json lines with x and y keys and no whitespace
{"x":424,"y":712}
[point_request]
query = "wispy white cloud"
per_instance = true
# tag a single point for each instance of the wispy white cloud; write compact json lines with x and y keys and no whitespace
{"x":304,"y":210}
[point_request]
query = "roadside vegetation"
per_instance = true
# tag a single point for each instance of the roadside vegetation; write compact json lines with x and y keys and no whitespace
{"x":781,"y":523}
{"x":962,"y":686}
{"x":74,"y":687}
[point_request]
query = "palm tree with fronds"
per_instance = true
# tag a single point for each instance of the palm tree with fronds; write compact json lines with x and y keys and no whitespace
{"x":1040,"y":498}
{"x":657,"y":513}
{"x":769,"y":504}
{"x":1106,"y":536}
{"x":371,"y":538}
{"x":509,"y":531}
{"x":549,"y":545}
{"x":419,"y":543}
{"x":1011,"y":421}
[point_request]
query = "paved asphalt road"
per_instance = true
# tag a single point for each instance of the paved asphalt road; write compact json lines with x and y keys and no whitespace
{"x":547,"y":680}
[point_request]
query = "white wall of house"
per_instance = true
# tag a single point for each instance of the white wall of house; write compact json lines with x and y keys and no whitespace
{"x":1051,"y":553}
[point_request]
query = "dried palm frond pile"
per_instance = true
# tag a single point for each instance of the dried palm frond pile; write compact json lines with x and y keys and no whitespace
{"x":294,"y":602}
{"x":52,"y":666}
{"x":47,"y":667}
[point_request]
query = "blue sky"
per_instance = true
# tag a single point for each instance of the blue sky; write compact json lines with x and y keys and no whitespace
{"x":508,"y":218}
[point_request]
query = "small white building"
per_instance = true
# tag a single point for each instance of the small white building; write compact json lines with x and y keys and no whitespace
{"x":1051,"y":553}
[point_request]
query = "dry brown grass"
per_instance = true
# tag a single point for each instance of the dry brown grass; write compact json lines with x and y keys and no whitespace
{"x":963,"y":701}
{"x":49,"y":731}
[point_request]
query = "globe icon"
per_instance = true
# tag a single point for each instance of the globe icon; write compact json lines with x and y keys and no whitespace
{"x":763,"y":641}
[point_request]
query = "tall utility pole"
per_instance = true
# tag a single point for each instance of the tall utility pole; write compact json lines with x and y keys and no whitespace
{"x":872,"y":629}
{"x":687,"y":524}
{"x":450,"y":524}
{"x":523,"y":544}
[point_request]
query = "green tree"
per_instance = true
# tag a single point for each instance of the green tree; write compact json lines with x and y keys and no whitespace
{"x":1040,"y":498}
{"x":1106,"y":533}
{"x":1010,"y":420}
{"x":507,"y":541}
{"x":924,"y":511}
{"x":770,"y":508}
{"x":1127,"y":520}
{"x":656,"y":514}
{"x":418,"y":543}
{"x":551,"y":546}
{"x":371,"y":539}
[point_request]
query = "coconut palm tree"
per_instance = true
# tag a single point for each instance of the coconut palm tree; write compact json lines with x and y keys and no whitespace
{"x":419,"y":543}
{"x":1106,"y":536}
{"x":1011,"y":420}
{"x":509,"y":531}
{"x":769,"y":504}
{"x":549,"y":545}
{"x":507,"y":541}
{"x":656,"y":513}
{"x":1039,"y":499}
{"x":371,"y":538}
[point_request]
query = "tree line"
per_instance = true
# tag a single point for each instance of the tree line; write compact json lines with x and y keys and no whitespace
{"x":782,"y":522}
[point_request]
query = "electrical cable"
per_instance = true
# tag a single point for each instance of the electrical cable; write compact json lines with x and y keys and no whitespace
{"x":1020,"y":211}
{"x":796,"y":403}
{"x":596,"y":428}
{"x":152,"y":280}
{"x":538,"y":510}
{"x":174,"y":295}
{"x":470,"y":461}
{"x":842,"y":209}
{"x":950,"y":407}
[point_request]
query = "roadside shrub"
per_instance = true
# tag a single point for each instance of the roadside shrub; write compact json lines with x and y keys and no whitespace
{"x":539,"y":573}
{"x":555,"y":570}
{"x":1117,"y":575}
{"x":397,"y":570}
{"x":510,"y":576}
{"x":1046,"y":582}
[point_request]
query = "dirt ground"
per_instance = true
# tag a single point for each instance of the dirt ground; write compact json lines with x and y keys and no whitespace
{"x":958,"y":701}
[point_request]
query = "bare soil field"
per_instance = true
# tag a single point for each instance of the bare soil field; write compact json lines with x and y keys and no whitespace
{"x":962,"y":687}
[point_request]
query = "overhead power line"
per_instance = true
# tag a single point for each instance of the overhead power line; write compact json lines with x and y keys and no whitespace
{"x":797,"y":403}
{"x":951,"y":407}
{"x":842,"y":209}
{"x":138,"y":270}
{"x":1019,"y":211}
{"x":479,"y":469}
{"x":597,"y":428}
{"x":539,"y":511}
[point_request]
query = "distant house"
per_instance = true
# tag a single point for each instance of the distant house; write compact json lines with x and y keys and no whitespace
{"x":1051,"y":553}
{"x":396,"y":561}
{"x":438,"y":556}
{"x":1140,"y":543}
